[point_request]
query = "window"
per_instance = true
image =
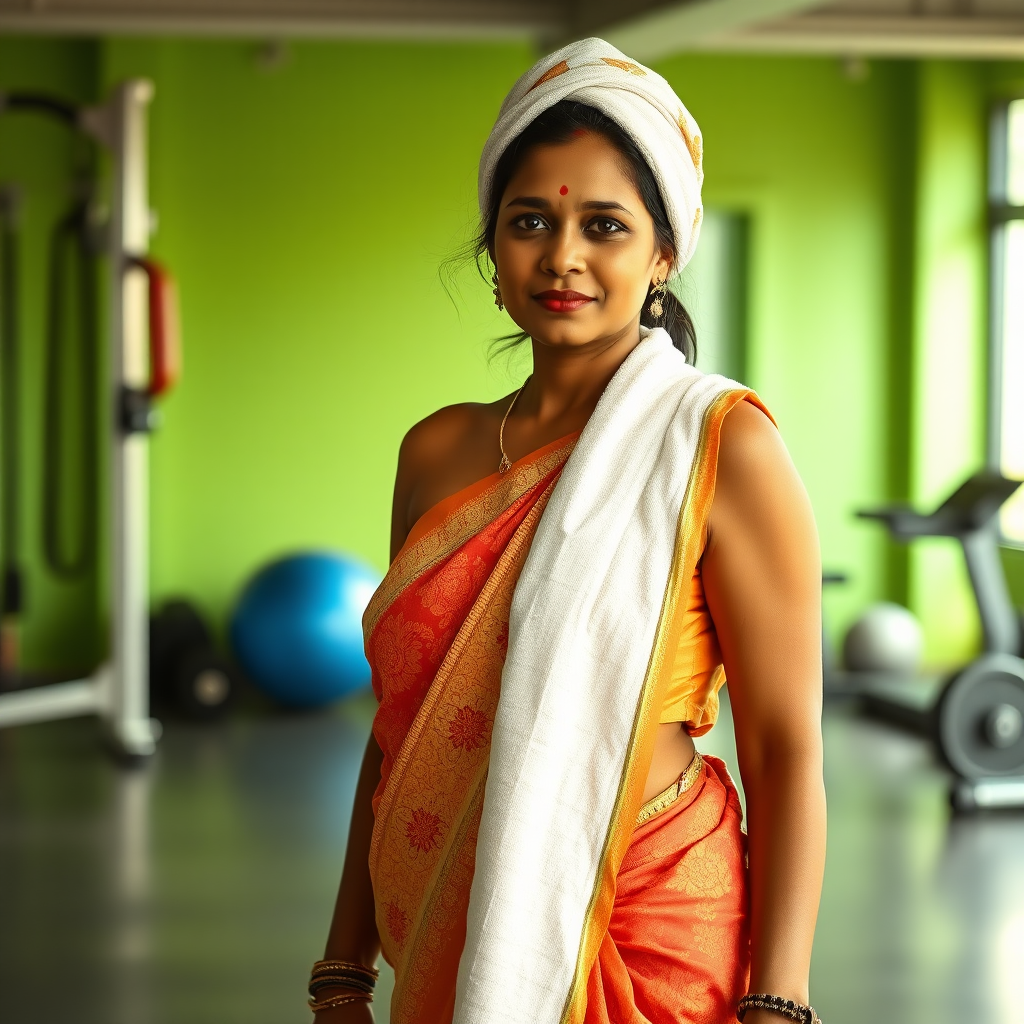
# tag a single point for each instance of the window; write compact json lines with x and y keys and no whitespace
{"x":1006,"y":205}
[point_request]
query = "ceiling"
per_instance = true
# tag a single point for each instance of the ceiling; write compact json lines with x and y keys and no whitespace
{"x":647,"y":29}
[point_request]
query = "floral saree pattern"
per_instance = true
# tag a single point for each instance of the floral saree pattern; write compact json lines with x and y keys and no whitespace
{"x":437,"y":635}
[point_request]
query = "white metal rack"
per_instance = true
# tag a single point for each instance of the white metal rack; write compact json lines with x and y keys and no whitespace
{"x":118,"y":692}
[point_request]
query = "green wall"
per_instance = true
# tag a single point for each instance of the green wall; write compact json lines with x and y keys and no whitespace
{"x":947,"y":395}
{"x":61,"y":625}
{"x":306,"y":210}
{"x":948,"y":371}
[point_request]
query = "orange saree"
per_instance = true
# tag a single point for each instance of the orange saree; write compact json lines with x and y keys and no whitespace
{"x":436,"y":636}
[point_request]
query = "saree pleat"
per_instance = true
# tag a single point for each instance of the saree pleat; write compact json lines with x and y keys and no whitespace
{"x":676,"y":948}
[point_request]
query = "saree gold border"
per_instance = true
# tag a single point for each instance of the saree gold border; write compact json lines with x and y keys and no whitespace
{"x":405,"y":1005}
{"x":667,"y":797}
{"x":457,"y":527}
{"x":689,"y":536}
{"x":510,"y":561}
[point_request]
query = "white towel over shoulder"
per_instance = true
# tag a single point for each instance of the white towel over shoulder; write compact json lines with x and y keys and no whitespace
{"x":581,"y":630}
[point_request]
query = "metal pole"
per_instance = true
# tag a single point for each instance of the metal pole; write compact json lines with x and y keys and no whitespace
{"x":999,"y":623}
{"x":127,"y":712}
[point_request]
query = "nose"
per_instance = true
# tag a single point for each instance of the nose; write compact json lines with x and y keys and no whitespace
{"x":563,"y":254}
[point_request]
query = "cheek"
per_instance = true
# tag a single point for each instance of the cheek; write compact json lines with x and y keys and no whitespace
{"x":624,"y":274}
{"x":512,"y":259}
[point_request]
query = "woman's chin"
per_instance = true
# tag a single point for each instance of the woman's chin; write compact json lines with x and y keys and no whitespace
{"x":573,"y":335}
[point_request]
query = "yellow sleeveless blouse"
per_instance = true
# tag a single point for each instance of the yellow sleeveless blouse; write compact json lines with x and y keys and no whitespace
{"x":697,"y":672}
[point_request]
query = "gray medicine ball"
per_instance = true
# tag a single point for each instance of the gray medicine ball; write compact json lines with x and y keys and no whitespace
{"x":886,"y":638}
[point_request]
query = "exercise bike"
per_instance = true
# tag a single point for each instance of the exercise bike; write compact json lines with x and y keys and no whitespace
{"x":977,"y":719}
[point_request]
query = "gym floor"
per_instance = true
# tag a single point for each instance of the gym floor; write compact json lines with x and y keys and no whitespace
{"x":198,"y":889}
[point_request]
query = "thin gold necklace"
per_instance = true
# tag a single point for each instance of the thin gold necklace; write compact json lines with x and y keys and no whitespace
{"x":505,"y":465}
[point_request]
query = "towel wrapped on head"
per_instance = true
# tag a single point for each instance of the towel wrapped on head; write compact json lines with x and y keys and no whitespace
{"x":638,"y":99}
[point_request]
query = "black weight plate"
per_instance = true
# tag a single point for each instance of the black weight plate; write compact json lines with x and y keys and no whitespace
{"x":174,"y":629}
{"x":967,"y":701}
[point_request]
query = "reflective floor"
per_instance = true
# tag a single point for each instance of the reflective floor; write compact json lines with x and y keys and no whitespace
{"x":199,"y":889}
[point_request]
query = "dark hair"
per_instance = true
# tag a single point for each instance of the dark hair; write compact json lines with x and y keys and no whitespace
{"x":556,"y":126}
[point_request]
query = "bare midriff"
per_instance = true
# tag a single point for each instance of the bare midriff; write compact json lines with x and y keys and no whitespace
{"x":673,"y":751}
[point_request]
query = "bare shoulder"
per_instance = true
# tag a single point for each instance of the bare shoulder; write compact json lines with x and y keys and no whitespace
{"x":440,"y":430}
{"x":443,"y":436}
{"x":749,"y":442}
{"x":757,"y":489}
{"x":443,"y":453}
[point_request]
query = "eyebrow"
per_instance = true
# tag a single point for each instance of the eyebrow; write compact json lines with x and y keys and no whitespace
{"x":540,"y":203}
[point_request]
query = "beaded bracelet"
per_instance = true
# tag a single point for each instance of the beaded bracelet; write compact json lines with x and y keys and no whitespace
{"x":797,"y":1012}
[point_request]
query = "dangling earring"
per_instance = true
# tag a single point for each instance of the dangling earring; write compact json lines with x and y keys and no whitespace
{"x":658,"y":289}
{"x":497,"y":291}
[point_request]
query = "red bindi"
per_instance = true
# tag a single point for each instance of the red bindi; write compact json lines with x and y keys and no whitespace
{"x":564,"y":190}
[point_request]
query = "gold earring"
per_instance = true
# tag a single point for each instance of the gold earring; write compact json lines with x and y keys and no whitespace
{"x":497,"y":291}
{"x":658,"y":289}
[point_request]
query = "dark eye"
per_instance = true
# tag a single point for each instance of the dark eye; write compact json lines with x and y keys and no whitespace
{"x":605,"y":226}
{"x":529,"y":222}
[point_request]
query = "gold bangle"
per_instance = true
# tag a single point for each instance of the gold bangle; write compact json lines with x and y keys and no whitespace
{"x":352,"y":978}
{"x":345,"y":963}
{"x":342,"y":972}
{"x":340,"y":1000}
{"x":343,"y":976}
{"x":325,"y":966}
{"x":316,"y":989}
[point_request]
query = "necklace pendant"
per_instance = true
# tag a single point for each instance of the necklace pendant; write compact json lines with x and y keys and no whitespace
{"x":505,"y":465}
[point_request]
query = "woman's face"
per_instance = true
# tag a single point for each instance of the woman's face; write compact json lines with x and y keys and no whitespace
{"x":574,"y":245}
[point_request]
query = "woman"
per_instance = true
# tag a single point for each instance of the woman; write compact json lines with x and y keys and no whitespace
{"x":535,"y":838}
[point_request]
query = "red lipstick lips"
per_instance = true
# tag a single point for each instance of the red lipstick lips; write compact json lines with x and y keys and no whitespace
{"x":563,"y":301}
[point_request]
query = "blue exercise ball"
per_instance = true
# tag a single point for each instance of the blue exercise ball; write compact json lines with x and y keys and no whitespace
{"x":297,"y":628}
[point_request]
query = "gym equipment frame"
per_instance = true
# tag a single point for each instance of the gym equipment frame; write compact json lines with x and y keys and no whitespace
{"x":118,"y":692}
{"x":977,"y":721}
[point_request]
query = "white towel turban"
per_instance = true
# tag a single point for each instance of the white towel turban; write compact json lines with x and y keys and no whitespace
{"x":638,"y":99}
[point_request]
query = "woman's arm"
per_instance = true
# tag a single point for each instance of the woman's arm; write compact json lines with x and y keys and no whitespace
{"x":762,"y":578}
{"x":353,"y":934}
